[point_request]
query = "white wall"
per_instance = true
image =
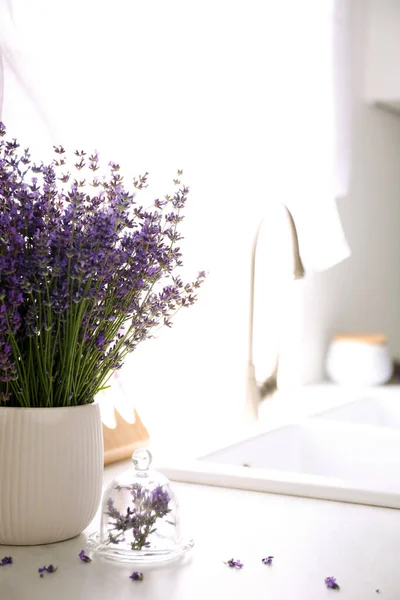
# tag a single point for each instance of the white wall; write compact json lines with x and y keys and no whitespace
{"x":382,"y":81}
{"x":362,"y":293}
{"x":194,"y":376}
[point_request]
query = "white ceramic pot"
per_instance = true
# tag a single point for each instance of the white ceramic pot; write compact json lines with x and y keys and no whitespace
{"x":51,"y":467}
{"x":359,"y":360}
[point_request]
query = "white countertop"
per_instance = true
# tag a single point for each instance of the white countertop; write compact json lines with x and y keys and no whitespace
{"x":310,"y":540}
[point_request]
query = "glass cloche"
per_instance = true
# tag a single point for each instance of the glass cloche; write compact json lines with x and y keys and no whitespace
{"x":140,"y":517}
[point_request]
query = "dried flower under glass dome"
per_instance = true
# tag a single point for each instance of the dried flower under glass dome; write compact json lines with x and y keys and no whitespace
{"x":140,"y":517}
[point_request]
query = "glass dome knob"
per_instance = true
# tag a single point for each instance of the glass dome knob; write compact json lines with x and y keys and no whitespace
{"x":141,"y":459}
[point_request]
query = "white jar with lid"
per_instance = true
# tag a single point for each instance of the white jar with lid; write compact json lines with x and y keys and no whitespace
{"x":359,"y":359}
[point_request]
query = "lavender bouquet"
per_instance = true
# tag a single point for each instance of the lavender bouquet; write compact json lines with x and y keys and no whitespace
{"x":85,"y":275}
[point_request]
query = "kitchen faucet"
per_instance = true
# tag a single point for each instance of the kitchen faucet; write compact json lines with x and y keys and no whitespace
{"x":255,"y":391}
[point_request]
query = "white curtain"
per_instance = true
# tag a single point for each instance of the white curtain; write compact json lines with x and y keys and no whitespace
{"x":1,"y":82}
{"x":236,"y":93}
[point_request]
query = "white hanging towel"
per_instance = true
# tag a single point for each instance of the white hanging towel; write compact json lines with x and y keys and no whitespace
{"x":322,"y":241}
{"x":320,"y":133}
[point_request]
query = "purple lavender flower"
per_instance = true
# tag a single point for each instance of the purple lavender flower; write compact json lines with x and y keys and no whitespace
{"x":136,"y":576}
{"x":112,"y":511}
{"x":268,"y":560}
{"x":147,"y":508}
{"x":159,"y":500}
{"x":44,"y":569}
{"x":79,"y":257}
{"x":84,"y":558}
{"x":7,"y":560}
{"x":234,"y":564}
{"x":331,"y":583}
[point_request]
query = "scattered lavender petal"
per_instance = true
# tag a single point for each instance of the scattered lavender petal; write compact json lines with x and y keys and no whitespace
{"x":49,"y":569}
{"x":234,"y":564}
{"x":268,"y":560}
{"x":7,"y":560}
{"x":331,"y":583}
{"x":136,"y":576}
{"x":84,"y":558}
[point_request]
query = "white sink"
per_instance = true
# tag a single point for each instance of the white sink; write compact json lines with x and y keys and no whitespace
{"x":368,"y":457}
{"x":382,"y":412}
{"x":350,"y":453}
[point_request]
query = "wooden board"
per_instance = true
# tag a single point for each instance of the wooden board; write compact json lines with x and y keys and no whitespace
{"x":377,"y":339}
{"x":125,"y":438}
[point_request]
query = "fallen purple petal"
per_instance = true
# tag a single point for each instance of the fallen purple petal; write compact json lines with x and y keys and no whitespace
{"x":268,"y":560}
{"x":331,"y":583}
{"x":51,"y":569}
{"x":7,"y":560}
{"x":234,"y":564}
{"x":136,"y":576}
{"x":84,"y":558}
{"x":44,"y":569}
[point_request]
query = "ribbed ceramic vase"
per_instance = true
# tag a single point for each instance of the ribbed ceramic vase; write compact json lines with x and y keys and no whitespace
{"x":51,"y":466}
